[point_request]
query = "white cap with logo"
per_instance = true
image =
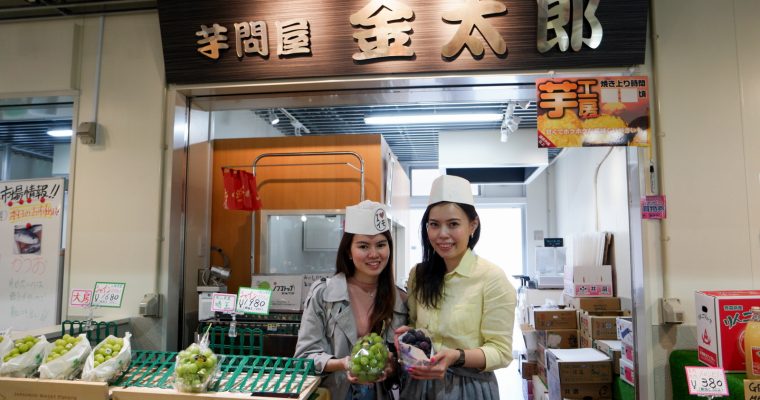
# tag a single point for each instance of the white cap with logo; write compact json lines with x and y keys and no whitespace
{"x":452,"y":189}
{"x":366,"y":218}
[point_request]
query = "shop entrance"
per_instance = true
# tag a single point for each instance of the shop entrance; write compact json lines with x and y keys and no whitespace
{"x":589,"y":187}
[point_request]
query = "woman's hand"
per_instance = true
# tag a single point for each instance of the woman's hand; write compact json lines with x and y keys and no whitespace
{"x":437,"y":367}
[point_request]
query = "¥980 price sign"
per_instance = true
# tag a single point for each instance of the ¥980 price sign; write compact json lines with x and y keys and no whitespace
{"x":108,"y":294}
{"x":253,"y":301}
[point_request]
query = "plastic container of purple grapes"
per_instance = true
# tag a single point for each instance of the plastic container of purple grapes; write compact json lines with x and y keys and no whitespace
{"x":415,"y":348}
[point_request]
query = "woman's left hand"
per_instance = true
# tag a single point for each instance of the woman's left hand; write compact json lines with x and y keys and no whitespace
{"x":439,"y":363}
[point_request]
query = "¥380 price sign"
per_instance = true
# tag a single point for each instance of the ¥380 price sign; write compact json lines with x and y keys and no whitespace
{"x":253,"y":301}
{"x":706,"y":382}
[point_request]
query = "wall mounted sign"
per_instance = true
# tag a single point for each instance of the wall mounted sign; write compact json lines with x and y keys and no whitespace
{"x":31,"y":220}
{"x":653,"y":207}
{"x":243,"y":40}
{"x":598,"y":111}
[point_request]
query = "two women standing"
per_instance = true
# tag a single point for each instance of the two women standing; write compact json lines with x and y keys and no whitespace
{"x":463,"y":301}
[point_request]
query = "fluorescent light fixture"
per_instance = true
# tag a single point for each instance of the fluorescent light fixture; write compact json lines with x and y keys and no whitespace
{"x":431,"y":118}
{"x":60,"y":132}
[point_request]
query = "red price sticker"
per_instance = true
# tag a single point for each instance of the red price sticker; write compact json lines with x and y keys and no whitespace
{"x":80,"y":298}
{"x":706,"y":381}
{"x":253,"y":301}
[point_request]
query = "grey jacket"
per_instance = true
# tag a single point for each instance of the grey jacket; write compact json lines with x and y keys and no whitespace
{"x":328,"y":330}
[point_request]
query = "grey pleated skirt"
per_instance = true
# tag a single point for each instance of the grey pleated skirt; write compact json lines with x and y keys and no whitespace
{"x":458,"y":383}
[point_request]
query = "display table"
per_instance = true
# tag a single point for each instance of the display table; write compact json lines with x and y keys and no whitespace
{"x":680,"y":359}
{"x":150,"y":375}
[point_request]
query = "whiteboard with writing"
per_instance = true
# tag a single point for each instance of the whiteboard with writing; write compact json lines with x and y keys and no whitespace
{"x":31,"y":215}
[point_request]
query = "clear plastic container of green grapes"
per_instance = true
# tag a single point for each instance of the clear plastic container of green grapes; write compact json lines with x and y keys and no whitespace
{"x":369,"y":359}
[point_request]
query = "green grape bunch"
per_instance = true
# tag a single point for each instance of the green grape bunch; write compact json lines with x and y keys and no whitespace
{"x":107,"y":350}
{"x":20,"y":346}
{"x":194,"y":367}
{"x":368,"y":358}
{"x":62,"y":346}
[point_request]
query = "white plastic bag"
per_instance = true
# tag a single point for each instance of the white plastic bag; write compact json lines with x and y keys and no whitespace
{"x":6,"y":343}
{"x":24,"y":358}
{"x":194,"y":367}
{"x":69,"y":364}
{"x":111,"y":365}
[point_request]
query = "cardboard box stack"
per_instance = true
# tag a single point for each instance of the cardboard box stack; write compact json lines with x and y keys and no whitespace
{"x":578,"y":374}
{"x":549,"y":328}
{"x":624,"y":327}
{"x":613,"y":350}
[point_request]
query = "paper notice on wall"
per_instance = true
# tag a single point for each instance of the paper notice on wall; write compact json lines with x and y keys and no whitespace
{"x":31,"y":215}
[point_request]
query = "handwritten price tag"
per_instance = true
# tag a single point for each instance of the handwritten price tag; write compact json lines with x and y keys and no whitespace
{"x":706,"y":382}
{"x":223,"y":302}
{"x":80,"y":297}
{"x":253,"y":301}
{"x":108,"y":294}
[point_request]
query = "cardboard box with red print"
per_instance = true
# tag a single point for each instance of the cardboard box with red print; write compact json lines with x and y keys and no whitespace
{"x":722,"y":316}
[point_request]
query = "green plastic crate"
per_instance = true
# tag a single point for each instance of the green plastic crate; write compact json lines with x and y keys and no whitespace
{"x":248,"y":342}
{"x":274,"y":376}
{"x":99,"y":330}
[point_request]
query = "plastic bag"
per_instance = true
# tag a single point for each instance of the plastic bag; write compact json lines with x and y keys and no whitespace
{"x":369,"y":358}
{"x":65,"y":357}
{"x":415,"y":348}
{"x":6,"y":343}
{"x":24,"y":358}
{"x":194,"y":367}
{"x":108,"y":359}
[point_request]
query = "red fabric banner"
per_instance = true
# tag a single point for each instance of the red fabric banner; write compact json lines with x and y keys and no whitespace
{"x":240,"y":191}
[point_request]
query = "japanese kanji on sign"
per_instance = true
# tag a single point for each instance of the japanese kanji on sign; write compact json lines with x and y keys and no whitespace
{"x":599,"y":111}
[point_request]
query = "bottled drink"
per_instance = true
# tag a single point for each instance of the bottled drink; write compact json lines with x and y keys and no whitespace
{"x":752,"y":345}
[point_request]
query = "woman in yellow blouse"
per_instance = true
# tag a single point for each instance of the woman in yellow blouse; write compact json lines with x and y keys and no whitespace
{"x":463,"y":301}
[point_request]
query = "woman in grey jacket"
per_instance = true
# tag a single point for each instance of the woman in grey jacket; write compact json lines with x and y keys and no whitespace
{"x":361,"y":298}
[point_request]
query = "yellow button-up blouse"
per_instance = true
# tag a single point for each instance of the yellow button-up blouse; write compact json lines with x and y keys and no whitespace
{"x":477,"y":311}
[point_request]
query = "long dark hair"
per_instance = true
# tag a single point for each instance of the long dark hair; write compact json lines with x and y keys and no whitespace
{"x":385,"y":297}
{"x":428,"y":276}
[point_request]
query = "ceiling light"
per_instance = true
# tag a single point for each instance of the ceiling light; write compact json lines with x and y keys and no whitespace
{"x":59,"y":132}
{"x":273,"y":118}
{"x":431,"y":118}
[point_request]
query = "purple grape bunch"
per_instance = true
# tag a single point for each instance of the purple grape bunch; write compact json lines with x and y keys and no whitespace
{"x":418,"y":339}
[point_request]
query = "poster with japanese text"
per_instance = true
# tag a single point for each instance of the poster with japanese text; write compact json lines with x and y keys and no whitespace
{"x":598,"y":111}
{"x":31,"y":219}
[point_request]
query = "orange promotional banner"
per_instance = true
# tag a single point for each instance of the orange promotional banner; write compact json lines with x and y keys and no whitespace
{"x":598,"y":111}
{"x":240,"y":192}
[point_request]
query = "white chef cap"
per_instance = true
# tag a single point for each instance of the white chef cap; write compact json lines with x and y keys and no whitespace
{"x":452,"y":189}
{"x":366,"y":218}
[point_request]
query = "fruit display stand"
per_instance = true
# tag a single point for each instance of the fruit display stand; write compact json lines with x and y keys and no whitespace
{"x":150,"y":375}
{"x":257,"y":377}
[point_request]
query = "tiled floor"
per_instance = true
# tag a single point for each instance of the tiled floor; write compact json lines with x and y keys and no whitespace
{"x":510,"y":382}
